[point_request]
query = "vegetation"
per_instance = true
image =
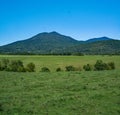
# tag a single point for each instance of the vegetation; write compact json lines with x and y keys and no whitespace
{"x":71,"y":93}
{"x":87,"y":67}
{"x":100,"y":65}
{"x":45,"y":69}
{"x":52,"y":62}
{"x":16,"y":66}
{"x":111,"y":65}
{"x":70,"y":68}
{"x":58,"y":69}
{"x":30,"y":67}
{"x":56,"y":44}
{"x":4,"y":64}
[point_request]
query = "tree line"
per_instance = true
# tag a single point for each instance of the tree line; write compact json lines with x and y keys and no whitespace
{"x":18,"y":66}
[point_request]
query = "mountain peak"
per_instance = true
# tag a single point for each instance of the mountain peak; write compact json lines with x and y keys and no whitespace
{"x":53,"y":32}
{"x":104,"y":38}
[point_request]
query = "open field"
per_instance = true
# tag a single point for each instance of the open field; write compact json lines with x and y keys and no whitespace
{"x":64,"y":93}
{"x":60,"y":93}
{"x":53,"y":62}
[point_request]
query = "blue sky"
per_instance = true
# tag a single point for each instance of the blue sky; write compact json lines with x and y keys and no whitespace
{"x":80,"y":19}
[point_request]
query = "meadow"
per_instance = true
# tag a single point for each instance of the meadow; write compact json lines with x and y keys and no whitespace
{"x":53,"y":62}
{"x":60,"y":93}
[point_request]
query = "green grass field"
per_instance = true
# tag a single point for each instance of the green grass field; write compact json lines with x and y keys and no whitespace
{"x":52,"y":62}
{"x":60,"y":93}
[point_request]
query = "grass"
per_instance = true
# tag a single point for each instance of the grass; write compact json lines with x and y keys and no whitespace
{"x":60,"y":93}
{"x":53,"y":62}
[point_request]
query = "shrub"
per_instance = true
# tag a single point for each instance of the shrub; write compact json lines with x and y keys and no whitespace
{"x":87,"y":67}
{"x":58,"y":69}
{"x":104,"y":66}
{"x":99,"y":65}
{"x":30,"y":67}
{"x":21,"y":69}
{"x":4,"y":64}
{"x":70,"y":68}
{"x":45,"y":69}
{"x":111,"y":65}
{"x":16,"y":66}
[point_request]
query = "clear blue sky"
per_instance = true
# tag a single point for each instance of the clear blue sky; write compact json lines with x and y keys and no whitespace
{"x":80,"y":19}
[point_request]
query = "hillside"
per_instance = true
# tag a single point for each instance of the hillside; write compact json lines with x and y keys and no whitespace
{"x":98,"y":39}
{"x":99,"y":47}
{"x":55,"y":43}
{"x":42,"y":43}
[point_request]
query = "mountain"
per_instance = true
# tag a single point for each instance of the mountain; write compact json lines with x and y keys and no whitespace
{"x":98,"y":39}
{"x":55,"y":43}
{"x":43,"y":43}
{"x":99,"y":47}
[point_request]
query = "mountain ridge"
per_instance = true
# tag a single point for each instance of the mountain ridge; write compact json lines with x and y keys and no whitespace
{"x":55,"y":43}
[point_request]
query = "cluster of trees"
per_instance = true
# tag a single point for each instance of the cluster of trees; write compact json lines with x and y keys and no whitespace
{"x":16,"y":66}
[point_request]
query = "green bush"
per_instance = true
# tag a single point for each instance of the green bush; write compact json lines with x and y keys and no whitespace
{"x":70,"y":68}
{"x":111,"y":65}
{"x":87,"y":67}
{"x":16,"y":66}
{"x":99,"y":65}
{"x":4,"y":64}
{"x":30,"y":67}
{"x":104,"y":66}
{"x":45,"y":69}
{"x":58,"y":69}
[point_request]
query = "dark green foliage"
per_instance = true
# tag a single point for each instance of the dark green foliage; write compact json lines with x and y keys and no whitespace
{"x":16,"y":66}
{"x":111,"y":65}
{"x":78,"y":54}
{"x":45,"y":69}
{"x":58,"y":69}
{"x":70,"y":68}
{"x":1,"y":108}
{"x":4,"y":64}
{"x":100,"y":65}
{"x":30,"y":67}
{"x":87,"y":67}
